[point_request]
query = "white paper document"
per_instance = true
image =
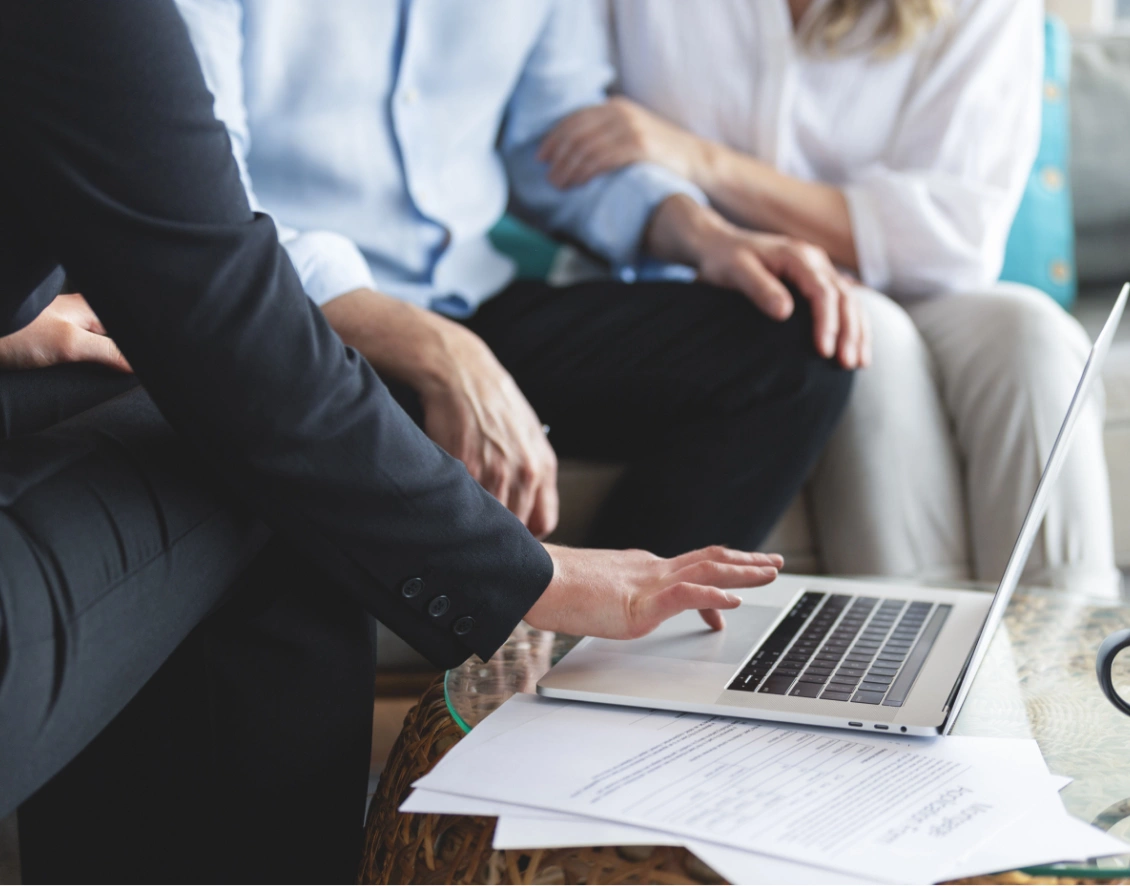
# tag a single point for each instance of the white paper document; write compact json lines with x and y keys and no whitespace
{"x":895,"y":810}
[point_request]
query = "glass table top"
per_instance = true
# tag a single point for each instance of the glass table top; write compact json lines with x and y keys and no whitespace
{"x":1038,"y":681}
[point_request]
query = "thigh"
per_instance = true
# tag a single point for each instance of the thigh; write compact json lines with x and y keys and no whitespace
{"x":244,"y":759}
{"x":612,"y":367}
{"x":36,"y":399}
{"x":1010,"y":361}
{"x":887,"y":494}
{"x":115,"y":542}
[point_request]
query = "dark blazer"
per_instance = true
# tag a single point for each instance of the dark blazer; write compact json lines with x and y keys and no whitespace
{"x":113,"y":166}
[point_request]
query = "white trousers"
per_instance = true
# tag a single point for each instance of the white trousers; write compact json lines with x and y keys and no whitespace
{"x":932,"y":470}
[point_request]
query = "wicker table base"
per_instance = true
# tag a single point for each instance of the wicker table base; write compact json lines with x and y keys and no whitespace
{"x":404,"y":848}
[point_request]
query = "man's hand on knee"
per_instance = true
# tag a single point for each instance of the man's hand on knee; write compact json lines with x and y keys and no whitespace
{"x":472,"y":407}
{"x":755,"y":264}
{"x":67,"y":331}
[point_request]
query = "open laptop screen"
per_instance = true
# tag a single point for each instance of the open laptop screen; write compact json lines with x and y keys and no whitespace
{"x":1016,"y":562}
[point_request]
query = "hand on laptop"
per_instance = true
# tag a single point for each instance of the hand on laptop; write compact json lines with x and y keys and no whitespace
{"x":472,"y":407}
{"x":67,"y":331}
{"x":755,"y":263}
{"x":626,"y":594}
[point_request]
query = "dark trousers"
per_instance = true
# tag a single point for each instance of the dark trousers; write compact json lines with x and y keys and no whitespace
{"x":718,"y":412}
{"x":125,"y":567}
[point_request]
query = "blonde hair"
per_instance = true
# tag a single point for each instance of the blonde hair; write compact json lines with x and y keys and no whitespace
{"x":885,"y":27}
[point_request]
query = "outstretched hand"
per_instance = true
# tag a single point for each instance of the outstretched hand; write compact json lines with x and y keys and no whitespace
{"x":622,"y":595}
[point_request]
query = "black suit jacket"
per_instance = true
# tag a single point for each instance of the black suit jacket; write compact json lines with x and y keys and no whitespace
{"x":113,"y":166}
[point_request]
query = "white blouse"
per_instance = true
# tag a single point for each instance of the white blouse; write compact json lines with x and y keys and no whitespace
{"x":932,"y":147}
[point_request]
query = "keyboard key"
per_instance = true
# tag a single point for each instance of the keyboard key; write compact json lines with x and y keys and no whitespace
{"x":868,"y":686}
{"x":823,"y":672}
{"x":807,"y":690}
{"x":851,"y":672}
{"x":786,"y":672}
{"x":881,"y":679}
{"x":820,"y":679}
{"x":776,"y":685}
{"x":840,"y":680}
{"x":836,"y":696}
{"x":883,"y":672}
{"x":867,"y":697}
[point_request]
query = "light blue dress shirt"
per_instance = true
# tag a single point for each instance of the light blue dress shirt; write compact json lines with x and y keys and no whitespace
{"x":387,"y":137}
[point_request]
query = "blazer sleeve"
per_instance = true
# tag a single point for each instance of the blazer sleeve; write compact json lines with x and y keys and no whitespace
{"x":114,"y":160}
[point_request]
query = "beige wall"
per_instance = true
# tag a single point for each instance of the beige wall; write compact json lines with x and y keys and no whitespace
{"x":1083,"y":14}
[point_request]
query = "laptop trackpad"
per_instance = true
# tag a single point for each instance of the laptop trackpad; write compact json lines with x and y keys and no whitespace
{"x":687,"y":637}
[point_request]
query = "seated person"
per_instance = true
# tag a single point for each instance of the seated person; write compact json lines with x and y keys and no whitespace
{"x":132,"y":513}
{"x":386,"y":139}
{"x":897,"y":135}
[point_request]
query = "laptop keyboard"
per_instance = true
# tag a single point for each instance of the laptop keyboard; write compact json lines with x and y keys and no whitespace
{"x":845,"y":648}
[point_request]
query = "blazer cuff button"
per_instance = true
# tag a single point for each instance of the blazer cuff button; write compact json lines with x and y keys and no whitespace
{"x":463,"y":626}
{"x":439,"y":606}
{"x":412,"y":588}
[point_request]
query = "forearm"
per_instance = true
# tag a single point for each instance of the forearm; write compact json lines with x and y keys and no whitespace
{"x":757,"y":196}
{"x":400,"y":341}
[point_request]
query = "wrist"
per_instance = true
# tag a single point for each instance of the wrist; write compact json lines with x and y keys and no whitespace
{"x":707,"y":167}
{"x":540,"y":615}
{"x":401,"y":341}
{"x":681,"y":230}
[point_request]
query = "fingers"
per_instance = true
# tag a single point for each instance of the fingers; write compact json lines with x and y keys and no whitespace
{"x":602,"y":154}
{"x":726,"y":575}
{"x":850,"y":347}
{"x":713,"y":618}
{"x":722,"y":554}
{"x":865,"y":355}
{"x":543,"y":518}
{"x":680,"y":597}
{"x":87,"y":347}
{"x":751,"y":278}
{"x":76,"y":310}
{"x":565,"y":138}
{"x":810,"y":270}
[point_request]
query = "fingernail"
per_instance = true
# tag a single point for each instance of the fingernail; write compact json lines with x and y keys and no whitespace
{"x":850,"y":355}
{"x":829,"y":346}
{"x":733,"y":599}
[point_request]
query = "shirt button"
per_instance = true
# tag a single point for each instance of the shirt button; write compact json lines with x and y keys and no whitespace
{"x":412,"y":588}
{"x":463,"y":626}
{"x":439,"y":606}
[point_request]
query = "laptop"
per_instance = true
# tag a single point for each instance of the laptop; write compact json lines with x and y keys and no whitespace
{"x":822,"y":651}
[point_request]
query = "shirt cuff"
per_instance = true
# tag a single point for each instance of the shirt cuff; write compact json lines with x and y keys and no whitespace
{"x":617,"y":225}
{"x":328,"y":264}
{"x":870,"y":243}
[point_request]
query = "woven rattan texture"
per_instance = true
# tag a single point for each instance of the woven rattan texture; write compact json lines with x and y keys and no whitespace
{"x":405,"y":848}
{"x":402,"y":848}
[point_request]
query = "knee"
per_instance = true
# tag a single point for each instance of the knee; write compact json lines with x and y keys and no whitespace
{"x":822,"y":385}
{"x":901,"y":369}
{"x":1021,"y":332}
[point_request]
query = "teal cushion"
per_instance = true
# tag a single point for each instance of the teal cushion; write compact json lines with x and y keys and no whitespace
{"x":1041,"y":245}
{"x":532,"y":251}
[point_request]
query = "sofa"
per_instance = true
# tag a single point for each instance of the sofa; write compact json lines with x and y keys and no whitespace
{"x":1100,"y":181}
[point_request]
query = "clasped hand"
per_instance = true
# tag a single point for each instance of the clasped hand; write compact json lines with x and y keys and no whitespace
{"x":66,"y":331}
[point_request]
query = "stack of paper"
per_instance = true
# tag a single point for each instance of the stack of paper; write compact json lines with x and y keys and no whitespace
{"x":759,"y":802}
